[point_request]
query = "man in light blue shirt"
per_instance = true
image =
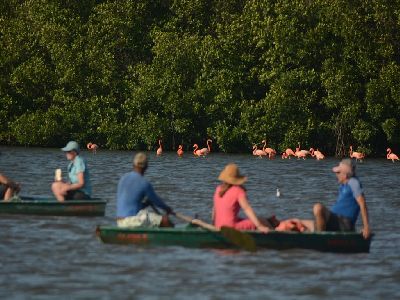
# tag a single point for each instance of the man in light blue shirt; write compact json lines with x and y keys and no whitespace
{"x":134,"y":194}
{"x":350,"y":201}
{"x":78,"y":186}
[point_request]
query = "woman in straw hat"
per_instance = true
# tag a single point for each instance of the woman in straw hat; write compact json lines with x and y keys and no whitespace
{"x":229,"y":197}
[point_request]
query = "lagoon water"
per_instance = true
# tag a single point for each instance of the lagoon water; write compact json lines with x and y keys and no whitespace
{"x":60,"y":257}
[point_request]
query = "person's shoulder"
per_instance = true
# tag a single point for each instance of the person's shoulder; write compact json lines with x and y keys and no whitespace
{"x":135,"y":176}
{"x":131,"y":174}
{"x":79,"y":159}
{"x":354,"y":180}
{"x":238,"y":188}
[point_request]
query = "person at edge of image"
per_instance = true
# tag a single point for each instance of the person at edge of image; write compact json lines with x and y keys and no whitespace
{"x":8,"y":188}
{"x":134,"y":194}
{"x":78,"y":187}
{"x":350,"y":201}
{"x":229,"y":197}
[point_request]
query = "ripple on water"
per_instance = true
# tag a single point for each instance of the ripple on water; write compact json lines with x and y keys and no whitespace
{"x":48,"y":257}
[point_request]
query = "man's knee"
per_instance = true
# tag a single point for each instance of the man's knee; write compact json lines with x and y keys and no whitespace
{"x":319,"y":209}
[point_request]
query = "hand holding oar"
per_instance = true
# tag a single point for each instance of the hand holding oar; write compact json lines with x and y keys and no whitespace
{"x":238,"y":238}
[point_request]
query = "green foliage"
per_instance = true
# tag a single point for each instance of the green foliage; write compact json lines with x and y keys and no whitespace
{"x":126,"y":73}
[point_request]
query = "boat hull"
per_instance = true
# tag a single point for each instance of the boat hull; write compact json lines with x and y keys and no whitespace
{"x":51,"y":207}
{"x":344,"y":242}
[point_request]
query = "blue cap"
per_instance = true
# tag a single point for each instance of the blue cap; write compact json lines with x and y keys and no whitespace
{"x":71,"y":146}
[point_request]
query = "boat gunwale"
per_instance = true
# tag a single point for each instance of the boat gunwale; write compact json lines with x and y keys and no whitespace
{"x":251,"y":232}
{"x":53,"y":201}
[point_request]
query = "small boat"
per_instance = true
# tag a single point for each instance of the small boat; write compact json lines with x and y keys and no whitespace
{"x":196,"y":237}
{"x":51,"y":207}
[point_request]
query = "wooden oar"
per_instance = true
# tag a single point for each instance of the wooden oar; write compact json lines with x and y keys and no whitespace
{"x":240,"y":239}
{"x":195,"y":222}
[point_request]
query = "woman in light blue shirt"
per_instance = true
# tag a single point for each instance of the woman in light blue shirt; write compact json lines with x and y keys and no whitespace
{"x":78,"y":187}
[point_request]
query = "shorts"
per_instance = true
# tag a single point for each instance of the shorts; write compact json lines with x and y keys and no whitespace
{"x":245,"y":224}
{"x":339,"y":223}
{"x":144,"y":218}
{"x":76,"y":195}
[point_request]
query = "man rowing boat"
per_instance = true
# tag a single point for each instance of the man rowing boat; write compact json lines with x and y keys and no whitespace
{"x":134,"y":194}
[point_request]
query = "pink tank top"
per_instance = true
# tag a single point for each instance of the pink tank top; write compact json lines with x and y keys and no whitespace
{"x":226,"y":208}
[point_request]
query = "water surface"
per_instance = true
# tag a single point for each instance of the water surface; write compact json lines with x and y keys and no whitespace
{"x":60,"y":257}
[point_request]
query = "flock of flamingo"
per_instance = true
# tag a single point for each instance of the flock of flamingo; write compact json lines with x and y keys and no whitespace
{"x":196,"y":151}
{"x":299,"y":153}
{"x":265,"y":151}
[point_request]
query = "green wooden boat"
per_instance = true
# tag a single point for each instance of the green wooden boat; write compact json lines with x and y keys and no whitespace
{"x":194,"y":237}
{"x":51,"y":207}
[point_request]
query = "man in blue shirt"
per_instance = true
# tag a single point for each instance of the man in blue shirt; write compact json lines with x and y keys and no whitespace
{"x":134,"y":194}
{"x":350,"y":201}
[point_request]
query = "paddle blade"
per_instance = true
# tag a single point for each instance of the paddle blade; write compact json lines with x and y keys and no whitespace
{"x":240,"y":239}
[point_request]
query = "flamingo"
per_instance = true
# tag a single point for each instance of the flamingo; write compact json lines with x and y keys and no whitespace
{"x":289,"y":152}
{"x":356,"y":155}
{"x":391,"y":155}
{"x":258,"y":152}
{"x":301,"y":153}
{"x":317,"y":154}
{"x":269,"y":151}
{"x":284,"y":155}
{"x":159,"y":150}
{"x":180,"y":151}
{"x":92,"y":147}
{"x":202,"y":151}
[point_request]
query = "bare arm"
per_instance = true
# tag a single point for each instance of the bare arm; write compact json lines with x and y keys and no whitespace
{"x":3,"y":179}
{"x":364,"y":214}
{"x":248,"y":210}
{"x":6,"y":181}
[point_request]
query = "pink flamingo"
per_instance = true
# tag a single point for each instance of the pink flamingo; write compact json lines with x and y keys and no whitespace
{"x":301,"y":153}
{"x":391,"y":155}
{"x":269,"y":151}
{"x":92,"y":147}
{"x":284,"y":155}
{"x":159,"y":150}
{"x":258,"y":152}
{"x":317,"y":154}
{"x":180,"y":151}
{"x":289,"y":152}
{"x":202,"y":151}
{"x":357,"y":155}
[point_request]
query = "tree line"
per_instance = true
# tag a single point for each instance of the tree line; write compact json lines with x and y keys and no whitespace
{"x":125,"y":73}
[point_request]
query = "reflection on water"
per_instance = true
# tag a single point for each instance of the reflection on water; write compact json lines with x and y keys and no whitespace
{"x":46,"y":257}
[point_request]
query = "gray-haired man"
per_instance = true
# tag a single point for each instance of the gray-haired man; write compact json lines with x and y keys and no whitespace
{"x":350,"y":201}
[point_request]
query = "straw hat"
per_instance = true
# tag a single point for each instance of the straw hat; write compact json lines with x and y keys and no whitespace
{"x":230,"y":174}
